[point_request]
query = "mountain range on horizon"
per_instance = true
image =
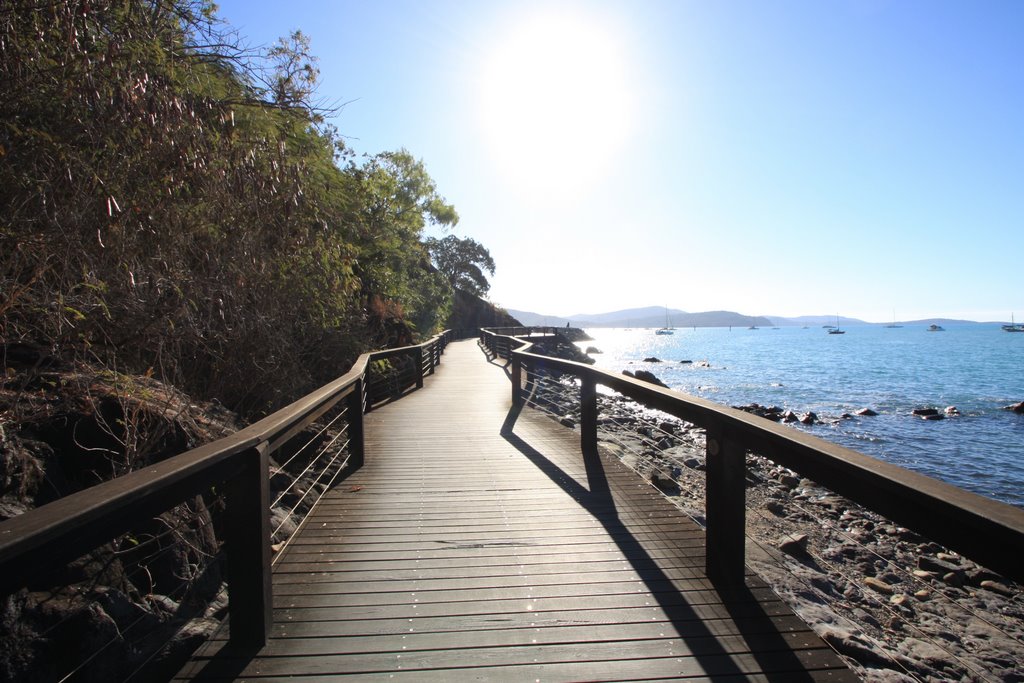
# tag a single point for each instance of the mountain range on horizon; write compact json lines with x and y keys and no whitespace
{"x":659,"y":316}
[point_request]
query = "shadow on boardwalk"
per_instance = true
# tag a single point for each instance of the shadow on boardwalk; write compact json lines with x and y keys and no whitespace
{"x":771,"y":649}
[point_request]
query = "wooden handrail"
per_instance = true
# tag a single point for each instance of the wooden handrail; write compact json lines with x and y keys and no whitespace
{"x":61,"y":531}
{"x":987,"y":531}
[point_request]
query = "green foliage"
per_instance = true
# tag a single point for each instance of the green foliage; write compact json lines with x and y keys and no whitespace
{"x":463,"y":262}
{"x":170,"y":202}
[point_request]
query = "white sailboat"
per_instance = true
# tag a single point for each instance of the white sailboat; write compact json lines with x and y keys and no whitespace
{"x":1014,"y":326}
{"x":668,"y":329}
{"x":836,"y":330}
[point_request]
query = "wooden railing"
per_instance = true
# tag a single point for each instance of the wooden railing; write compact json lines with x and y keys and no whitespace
{"x":61,"y":531}
{"x":987,"y":531}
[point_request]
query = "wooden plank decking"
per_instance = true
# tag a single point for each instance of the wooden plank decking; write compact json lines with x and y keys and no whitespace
{"x":476,"y":544}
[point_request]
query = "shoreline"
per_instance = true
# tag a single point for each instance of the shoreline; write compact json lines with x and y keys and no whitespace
{"x":870,"y":392}
{"x":897,"y":606}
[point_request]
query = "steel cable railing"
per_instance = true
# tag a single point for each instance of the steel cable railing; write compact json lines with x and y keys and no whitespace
{"x":102,"y":602}
{"x":163,"y":566}
{"x":648,"y":436}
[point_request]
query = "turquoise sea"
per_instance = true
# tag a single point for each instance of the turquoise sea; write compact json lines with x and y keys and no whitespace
{"x":978,"y":368}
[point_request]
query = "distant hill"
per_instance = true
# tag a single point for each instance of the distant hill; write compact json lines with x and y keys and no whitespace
{"x":815,"y":320}
{"x":650,"y":316}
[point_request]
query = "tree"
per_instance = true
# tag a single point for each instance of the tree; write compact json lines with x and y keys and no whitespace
{"x":463,"y":262}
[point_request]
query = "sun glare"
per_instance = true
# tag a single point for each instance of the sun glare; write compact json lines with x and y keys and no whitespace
{"x":555,"y":102}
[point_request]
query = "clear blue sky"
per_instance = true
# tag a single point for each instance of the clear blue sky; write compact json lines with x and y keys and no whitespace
{"x":857,"y":157}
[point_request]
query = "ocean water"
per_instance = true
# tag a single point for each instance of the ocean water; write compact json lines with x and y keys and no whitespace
{"x":979,"y":369}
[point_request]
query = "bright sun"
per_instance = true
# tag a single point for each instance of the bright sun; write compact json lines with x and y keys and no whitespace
{"x":555,"y":103}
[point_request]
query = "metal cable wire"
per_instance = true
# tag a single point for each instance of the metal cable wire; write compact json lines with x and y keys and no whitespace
{"x":121,"y":633}
{"x":308,"y":467}
{"x":648,"y":441}
{"x":877,"y":600}
{"x":143,"y":563}
{"x":828,"y":524}
{"x":301,"y":524}
{"x":316,"y":481}
{"x":284,"y":466}
{"x":883,"y":650}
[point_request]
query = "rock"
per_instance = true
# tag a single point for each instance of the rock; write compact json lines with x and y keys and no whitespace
{"x":878,"y":585}
{"x":809,"y":419}
{"x":951,"y":411}
{"x":789,"y":481}
{"x":997,"y":587}
{"x":652,"y":359}
{"x":978,"y":575}
{"x":924,"y":412}
{"x":789,"y":416}
{"x":685,"y":362}
{"x":955,"y":579}
{"x":900,"y":600}
{"x":646,"y":376}
{"x":664,"y":482}
{"x":934,"y":418}
{"x":1016,"y":408}
{"x":593,"y":349}
{"x":776,"y":508}
{"x":794,"y":544}
{"x":936,"y":565}
{"x":854,"y":645}
{"x":866,"y":412}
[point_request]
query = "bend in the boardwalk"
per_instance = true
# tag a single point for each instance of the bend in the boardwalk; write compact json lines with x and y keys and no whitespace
{"x":476,"y":544}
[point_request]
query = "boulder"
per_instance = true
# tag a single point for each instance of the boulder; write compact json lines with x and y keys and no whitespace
{"x":794,"y":544}
{"x":934,"y":564}
{"x":593,"y":349}
{"x":652,"y":359}
{"x":924,"y":412}
{"x":645,"y":376}
{"x":664,"y":482}
{"x":866,"y":412}
{"x":878,"y":585}
{"x":1016,"y":408}
{"x":951,"y":411}
{"x":809,"y":419}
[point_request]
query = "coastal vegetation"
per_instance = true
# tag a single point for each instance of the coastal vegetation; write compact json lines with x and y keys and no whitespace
{"x":186,"y":243}
{"x":178,"y":205}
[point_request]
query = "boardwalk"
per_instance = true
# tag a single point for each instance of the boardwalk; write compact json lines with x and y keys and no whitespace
{"x":476,"y":544}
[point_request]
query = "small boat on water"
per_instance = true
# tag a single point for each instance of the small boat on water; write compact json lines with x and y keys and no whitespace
{"x":936,"y":328}
{"x":835,"y":329}
{"x":894,"y":326}
{"x":1014,"y":326}
{"x":668,"y":329}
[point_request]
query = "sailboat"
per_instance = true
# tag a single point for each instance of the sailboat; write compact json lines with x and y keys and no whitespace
{"x":668,"y":329}
{"x":1014,"y":326}
{"x":836,"y":330}
{"x":894,"y":325}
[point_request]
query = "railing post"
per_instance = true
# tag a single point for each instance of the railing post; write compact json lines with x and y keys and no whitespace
{"x":517,"y":381}
{"x":356,"y":439}
{"x":417,"y":357}
{"x":588,"y":415}
{"x":725,"y":509}
{"x":247,"y":546}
